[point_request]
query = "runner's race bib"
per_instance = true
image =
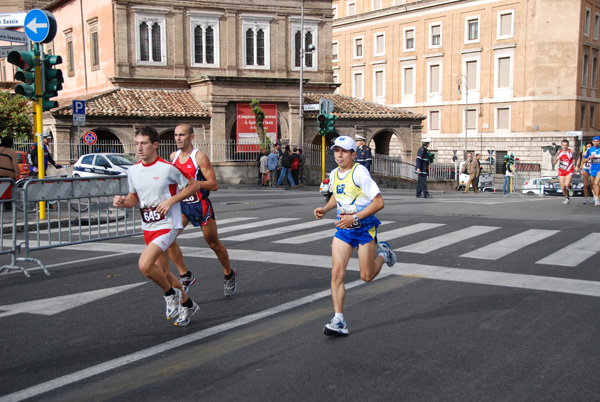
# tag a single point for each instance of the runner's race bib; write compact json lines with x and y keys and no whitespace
{"x":151,"y":215}
{"x":563,"y":165}
{"x":349,"y":210}
{"x":191,"y":199}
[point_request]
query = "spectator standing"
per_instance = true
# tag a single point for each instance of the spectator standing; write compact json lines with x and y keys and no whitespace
{"x":363,"y":153}
{"x":294,"y":157}
{"x":286,"y":165}
{"x":302,"y":162}
{"x":508,"y":174}
{"x":33,"y":153}
{"x":9,"y":167}
{"x":422,"y":169}
{"x":471,"y":167}
{"x":273,"y":166}
{"x":263,"y":168}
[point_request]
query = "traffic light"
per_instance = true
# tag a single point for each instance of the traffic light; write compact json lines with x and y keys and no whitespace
{"x":511,"y":159}
{"x":322,"y":119}
{"x":330,"y":124}
{"x":25,"y":61}
{"x":431,"y":157}
{"x":53,"y":79}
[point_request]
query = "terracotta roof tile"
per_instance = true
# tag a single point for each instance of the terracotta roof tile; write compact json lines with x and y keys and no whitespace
{"x":124,"y":102}
{"x":351,"y":108}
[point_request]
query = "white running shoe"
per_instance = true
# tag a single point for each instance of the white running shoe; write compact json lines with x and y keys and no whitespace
{"x":173,"y":304}
{"x":571,"y":191}
{"x":186,"y":314}
{"x":566,"y":201}
{"x":335,"y":327}
{"x":386,"y":251}
{"x":597,"y":203}
{"x":585,"y":202}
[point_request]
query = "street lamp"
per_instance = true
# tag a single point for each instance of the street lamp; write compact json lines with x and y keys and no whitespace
{"x":460,"y":79}
{"x":301,"y":112}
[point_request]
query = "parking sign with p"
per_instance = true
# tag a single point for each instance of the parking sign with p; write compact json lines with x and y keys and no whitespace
{"x":79,"y":113}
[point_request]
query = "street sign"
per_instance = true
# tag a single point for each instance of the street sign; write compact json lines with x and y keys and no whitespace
{"x":574,"y":133}
{"x":40,"y":26}
{"x":78,"y":113}
{"x":326,"y":105}
{"x":90,"y":138}
{"x":12,"y":19}
{"x":13,"y":36}
{"x":5,"y":50}
{"x":312,"y":107}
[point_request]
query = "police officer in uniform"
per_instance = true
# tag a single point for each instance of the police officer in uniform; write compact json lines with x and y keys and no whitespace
{"x":363,"y":153}
{"x":422,"y":169}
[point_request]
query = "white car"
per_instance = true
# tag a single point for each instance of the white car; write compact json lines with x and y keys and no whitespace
{"x":535,"y":186}
{"x":486,"y":177}
{"x":102,"y":165}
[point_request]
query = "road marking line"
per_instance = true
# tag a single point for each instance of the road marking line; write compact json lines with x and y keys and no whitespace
{"x":574,"y":253}
{"x":307,"y":238}
{"x":199,"y":233}
{"x":509,"y":245}
{"x":408,"y":230}
{"x":158,"y":349}
{"x":280,"y":230}
{"x":448,"y":239}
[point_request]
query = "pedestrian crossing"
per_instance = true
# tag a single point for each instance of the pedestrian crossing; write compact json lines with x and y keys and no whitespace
{"x":294,"y":231}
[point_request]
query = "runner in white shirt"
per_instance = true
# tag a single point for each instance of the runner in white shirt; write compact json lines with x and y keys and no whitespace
{"x":153,"y":184}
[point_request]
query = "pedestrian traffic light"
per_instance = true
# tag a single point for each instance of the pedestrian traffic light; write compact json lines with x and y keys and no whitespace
{"x":322,"y":119}
{"x":25,"y":61}
{"x":53,"y":79}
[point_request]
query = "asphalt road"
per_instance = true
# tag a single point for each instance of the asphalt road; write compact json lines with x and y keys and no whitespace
{"x":492,"y":298}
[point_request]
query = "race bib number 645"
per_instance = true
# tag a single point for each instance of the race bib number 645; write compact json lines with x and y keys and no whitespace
{"x":151,"y":215}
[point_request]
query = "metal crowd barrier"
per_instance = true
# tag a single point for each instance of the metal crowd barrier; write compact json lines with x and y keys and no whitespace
{"x":78,"y":210}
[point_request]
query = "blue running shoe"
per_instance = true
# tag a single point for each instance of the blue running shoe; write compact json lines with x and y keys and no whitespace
{"x":335,"y":328}
{"x":187,"y":281}
{"x":386,"y":251}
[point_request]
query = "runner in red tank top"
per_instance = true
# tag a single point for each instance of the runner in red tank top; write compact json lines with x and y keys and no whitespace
{"x":198,"y":209}
{"x":565,"y":169}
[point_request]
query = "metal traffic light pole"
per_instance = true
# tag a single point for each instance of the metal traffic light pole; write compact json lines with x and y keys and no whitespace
{"x":38,"y":122}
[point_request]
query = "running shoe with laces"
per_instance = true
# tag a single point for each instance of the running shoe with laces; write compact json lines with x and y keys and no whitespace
{"x":173,"y":304}
{"x":335,"y":327}
{"x":386,"y":251}
{"x":571,"y":191}
{"x":230,"y":284}
{"x":186,"y":314}
{"x":187,"y":281}
{"x":566,"y":201}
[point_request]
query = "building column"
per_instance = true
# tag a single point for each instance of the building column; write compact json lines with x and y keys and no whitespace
{"x":218,"y":129}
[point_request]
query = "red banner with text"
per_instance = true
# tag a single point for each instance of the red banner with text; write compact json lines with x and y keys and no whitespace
{"x":246,"y":136}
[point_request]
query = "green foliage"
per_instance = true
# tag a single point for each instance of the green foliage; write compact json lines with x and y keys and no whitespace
{"x":259,"y":115}
{"x":14,"y":116}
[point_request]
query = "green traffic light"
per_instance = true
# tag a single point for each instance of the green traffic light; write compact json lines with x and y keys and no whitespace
{"x":25,"y":61}
{"x":322,"y":119}
{"x":53,"y":79}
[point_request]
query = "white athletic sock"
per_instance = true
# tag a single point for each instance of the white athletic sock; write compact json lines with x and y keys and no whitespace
{"x":339,"y":316}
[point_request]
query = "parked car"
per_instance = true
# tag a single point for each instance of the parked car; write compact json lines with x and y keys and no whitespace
{"x":23,"y":164}
{"x":535,"y":186}
{"x":486,"y":177}
{"x":552,"y":187}
{"x":102,"y":165}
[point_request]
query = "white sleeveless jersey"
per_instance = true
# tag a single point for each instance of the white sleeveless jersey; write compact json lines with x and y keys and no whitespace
{"x":154,"y":184}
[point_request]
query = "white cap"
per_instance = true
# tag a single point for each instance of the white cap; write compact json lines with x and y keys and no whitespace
{"x":360,"y":137}
{"x":344,"y":142}
{"x":426,"y":140}
{"x":46,"y":134}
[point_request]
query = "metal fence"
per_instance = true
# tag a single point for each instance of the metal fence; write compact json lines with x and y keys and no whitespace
{"x":233,"y":152}
{"x":77,"y":210}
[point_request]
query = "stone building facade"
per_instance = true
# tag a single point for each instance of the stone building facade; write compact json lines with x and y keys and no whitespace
{"x":530,"y":68}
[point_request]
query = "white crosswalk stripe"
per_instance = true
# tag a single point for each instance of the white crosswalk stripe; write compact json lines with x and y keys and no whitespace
{"x":407,"y":230}
{"x":309,"y":237}
{"x":447,"y":239}
{"x":575,"y":253}
{"x":510,"y":245}
{"x":190,"y":233}
{"x":280,"y":230}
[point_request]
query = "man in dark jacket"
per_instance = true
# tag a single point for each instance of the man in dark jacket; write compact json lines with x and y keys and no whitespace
{"x":363,"y":153}
{"x":286,"y":164}
{"x":422,"y":165}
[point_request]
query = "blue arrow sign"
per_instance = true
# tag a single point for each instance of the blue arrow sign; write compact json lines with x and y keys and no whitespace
{"x":40,"y":26}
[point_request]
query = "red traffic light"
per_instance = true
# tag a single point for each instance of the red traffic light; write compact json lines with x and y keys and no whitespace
{"x":321,"y":118}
